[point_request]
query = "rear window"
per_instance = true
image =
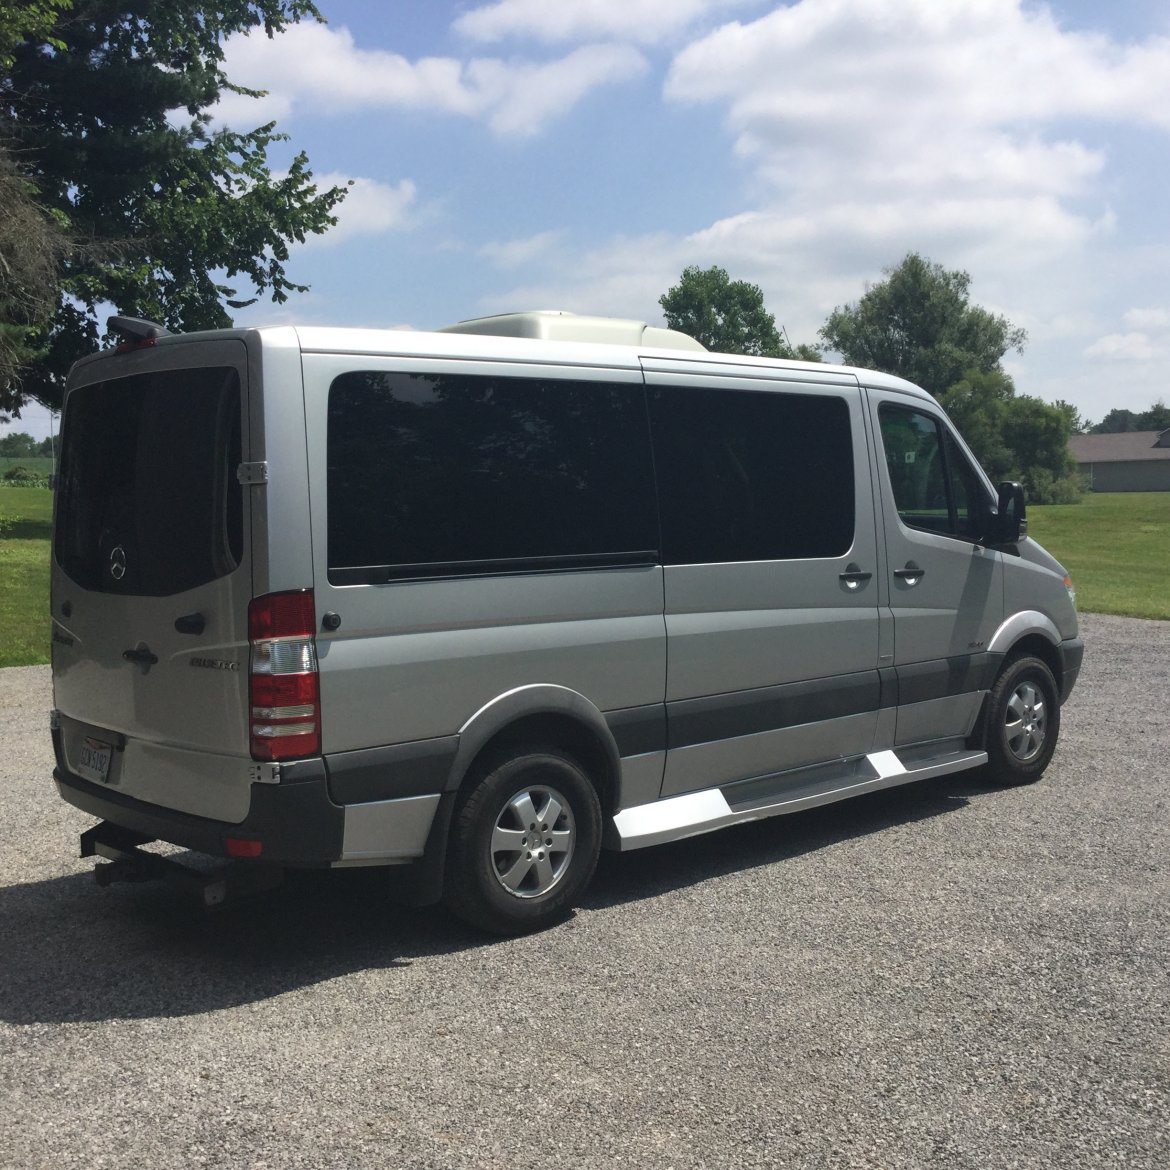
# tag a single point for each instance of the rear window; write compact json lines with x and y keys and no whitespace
{"x":452,"y":475}
{"x":149,"y":502}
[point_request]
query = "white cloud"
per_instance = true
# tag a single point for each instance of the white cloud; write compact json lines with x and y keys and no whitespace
{"x":1130,"y":347}
{"x":369,"y":208}
{"x":312,"y":61}
{"x":520,"y":98}
{"x":509,"y":254}
{"x":918,"y":93}
{"x":868,"y":129}
{"x":826,"y":65}
{"x":641,"y":21}
{"x":623,"y":278}
{"x":1146,"y":338}
{"x":310,"y":64}
{"x":1148,"y":319}
{"x":242,"y":112}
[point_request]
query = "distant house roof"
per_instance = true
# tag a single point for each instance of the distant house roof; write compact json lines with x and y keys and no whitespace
{"x":1126,"y":447}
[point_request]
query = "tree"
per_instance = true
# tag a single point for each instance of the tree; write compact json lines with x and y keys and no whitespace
{"x":1037,"y":435}
{"x":108,"y":113}
{"x":727,"y":316}
{"x":978,"y":406}
{"x":1157,"y":418}
{"x":28,"y":19}
{"x":1120,"y":421}
{"x":1117,"y":421}
{"x":1077,"y":423}
{"x":18,"y":445}
{"x":918,"y":323}
{"x":33,"y":245}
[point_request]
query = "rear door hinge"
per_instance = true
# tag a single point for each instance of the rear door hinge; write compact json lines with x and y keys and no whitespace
{"x":250,"y":474}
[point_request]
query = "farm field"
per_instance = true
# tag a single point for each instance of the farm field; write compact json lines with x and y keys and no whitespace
{"x":1114,"y":547}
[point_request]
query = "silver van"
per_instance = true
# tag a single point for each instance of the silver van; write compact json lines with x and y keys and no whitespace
{"x":482,"y":601}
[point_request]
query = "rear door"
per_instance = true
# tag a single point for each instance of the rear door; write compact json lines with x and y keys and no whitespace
{"x":945,"y":588}
{"x":771,"y":570}
{"x":151,"y":577}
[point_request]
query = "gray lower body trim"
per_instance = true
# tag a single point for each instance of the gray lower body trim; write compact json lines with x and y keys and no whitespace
{"x":420,"y":768}
{"x":739,"y":713}
{"x":713,"y":718}
{"x":638,"y":730}
{"x":1072,"y":653}
{"x":936,"y":718}
{"x":383,"y":832}
{"x":940,"y":678}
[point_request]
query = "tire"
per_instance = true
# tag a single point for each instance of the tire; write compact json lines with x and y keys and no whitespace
{"x":1023,"y":722}
{"x":524,"y":842}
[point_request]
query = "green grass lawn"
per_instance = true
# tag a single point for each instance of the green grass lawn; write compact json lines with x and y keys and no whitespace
{"x":43,"y":466}
{"x":1114,"y":546}
{"x":25,"y":517}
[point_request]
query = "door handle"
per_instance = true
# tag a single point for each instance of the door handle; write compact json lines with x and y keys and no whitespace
{"x":911,"y":574}
{"x":854,"y":576}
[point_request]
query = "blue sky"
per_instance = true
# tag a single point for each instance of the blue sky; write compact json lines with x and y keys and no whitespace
{"x":577,"y":154}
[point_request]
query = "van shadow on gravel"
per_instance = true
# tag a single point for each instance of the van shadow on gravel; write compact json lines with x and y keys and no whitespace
{"x":73,"y":952}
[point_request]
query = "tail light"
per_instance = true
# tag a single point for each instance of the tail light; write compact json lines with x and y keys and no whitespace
{"x":284,"y":684}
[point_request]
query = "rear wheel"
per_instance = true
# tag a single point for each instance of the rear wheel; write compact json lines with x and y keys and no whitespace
{"x":1023,"y":722}
{"x":524,"y":842}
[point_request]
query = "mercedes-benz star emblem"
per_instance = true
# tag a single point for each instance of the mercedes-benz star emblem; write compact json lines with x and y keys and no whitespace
{"x":118,"y":562}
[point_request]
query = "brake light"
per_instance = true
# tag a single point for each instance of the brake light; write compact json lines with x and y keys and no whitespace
{"x":284,"y":688}
{"x":130,"y":346}
{"x":243,"y":847}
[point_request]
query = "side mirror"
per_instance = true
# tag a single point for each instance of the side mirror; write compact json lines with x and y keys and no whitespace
{"x":1008,"y":523}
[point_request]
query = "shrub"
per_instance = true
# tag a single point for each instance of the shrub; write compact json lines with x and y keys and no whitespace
{"x":23,"y":477}
{"x":1045,"y":488}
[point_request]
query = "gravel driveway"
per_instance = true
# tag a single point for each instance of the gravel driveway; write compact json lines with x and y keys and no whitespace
{"x":939,"y":976}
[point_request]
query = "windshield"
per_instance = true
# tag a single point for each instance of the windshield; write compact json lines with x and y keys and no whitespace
{"x":149,"y":502}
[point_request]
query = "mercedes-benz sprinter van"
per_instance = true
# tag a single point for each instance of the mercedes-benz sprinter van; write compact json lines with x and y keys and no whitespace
{"x":481,"y":601}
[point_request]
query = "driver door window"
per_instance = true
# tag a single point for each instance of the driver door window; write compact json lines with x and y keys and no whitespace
{"x":935,"y":488}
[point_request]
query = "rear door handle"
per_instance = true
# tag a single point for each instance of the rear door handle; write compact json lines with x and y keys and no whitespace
{"x":140,"y":655}
{"x":911,"y":574}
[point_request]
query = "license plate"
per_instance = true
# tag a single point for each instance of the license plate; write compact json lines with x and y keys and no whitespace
{"x":93,"y":761}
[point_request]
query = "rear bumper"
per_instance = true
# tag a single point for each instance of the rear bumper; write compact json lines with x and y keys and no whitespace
{"x":296,"y":822}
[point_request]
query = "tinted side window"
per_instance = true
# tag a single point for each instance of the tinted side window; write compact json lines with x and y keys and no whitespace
{"x":149,"y":502}
{"x":752,"y":475}
{"x":934,"y":486}
{"x":450,"y":474}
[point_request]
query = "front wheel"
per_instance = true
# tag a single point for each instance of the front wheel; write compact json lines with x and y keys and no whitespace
{"x":1023,"y":722}
{"x":524,"y":842}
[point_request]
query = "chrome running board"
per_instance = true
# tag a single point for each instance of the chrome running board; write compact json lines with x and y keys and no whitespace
{"x":676,"y":817}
